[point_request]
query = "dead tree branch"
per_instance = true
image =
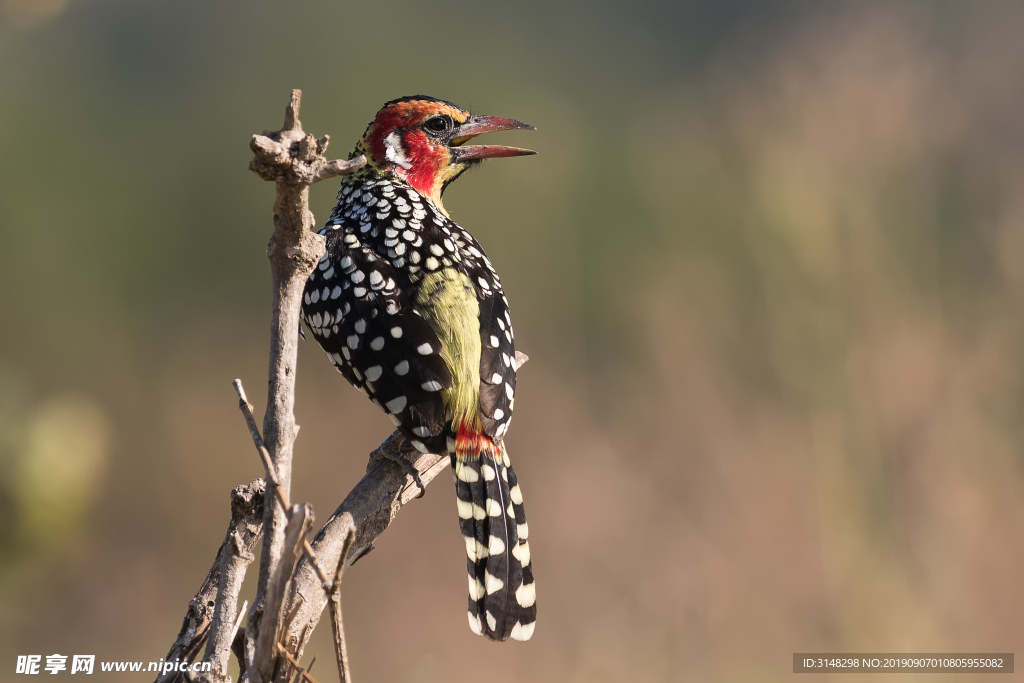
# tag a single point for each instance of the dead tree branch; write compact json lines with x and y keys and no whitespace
{"x":367,"y":511}
{"x":236,"y":556}
{"x":294,"y":160}
{"x":337,"y":624}
{"x":261,"y":449}
{"x":300,"y":519}
{"x":206,"y":611}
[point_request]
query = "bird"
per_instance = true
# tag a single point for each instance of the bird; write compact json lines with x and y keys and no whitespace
{"x":411,"y":312}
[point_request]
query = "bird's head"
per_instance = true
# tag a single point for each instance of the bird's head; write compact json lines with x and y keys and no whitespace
{"x":423,"y":141}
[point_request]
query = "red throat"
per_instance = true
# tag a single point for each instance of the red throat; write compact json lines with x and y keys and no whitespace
{"x":427,"y":161}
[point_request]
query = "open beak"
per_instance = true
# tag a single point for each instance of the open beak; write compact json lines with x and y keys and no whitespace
{"x":478,"y":125}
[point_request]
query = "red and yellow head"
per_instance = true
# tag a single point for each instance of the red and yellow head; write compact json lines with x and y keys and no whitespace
{"x":422,"y":140}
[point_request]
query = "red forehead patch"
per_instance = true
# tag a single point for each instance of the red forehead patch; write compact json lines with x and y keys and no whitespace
{"x":415,"y":112}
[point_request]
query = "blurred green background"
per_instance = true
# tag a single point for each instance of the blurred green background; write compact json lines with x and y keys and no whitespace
{"x":768,"y":265}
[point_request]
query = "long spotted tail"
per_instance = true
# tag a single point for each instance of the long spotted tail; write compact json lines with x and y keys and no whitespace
{"x":502,"y":597}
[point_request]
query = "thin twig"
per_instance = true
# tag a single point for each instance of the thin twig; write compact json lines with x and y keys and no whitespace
{"x":302,"y":673}
{"x":295,"y":663}
{"x":292,"y":612}
{"x":316,"y":565}
{"x":250,"y":420}
{"x":239,"y":620}
{"x":238,"y":649}
{"x":337,"y":626}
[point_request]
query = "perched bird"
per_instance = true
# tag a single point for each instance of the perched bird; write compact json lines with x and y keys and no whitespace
{"x":409,"y":309}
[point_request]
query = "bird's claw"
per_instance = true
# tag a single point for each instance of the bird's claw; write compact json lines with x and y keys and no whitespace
{"x":410,"y":469}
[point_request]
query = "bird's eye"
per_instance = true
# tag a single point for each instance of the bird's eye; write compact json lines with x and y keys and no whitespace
{"x":437,"y":125}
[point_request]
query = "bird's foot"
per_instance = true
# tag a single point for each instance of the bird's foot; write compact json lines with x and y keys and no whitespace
{"x":385,"y":453}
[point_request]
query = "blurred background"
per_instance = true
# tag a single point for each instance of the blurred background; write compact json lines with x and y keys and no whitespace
{"x":768,"y":266}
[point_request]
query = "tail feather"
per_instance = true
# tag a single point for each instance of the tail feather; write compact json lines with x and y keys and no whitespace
{"x":526,"y":593}
{"x":502,"y":597}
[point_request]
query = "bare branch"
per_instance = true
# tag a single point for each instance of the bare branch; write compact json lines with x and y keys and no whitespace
{"x":295,"y":663}
{"x":236,"y":556}
{"x":300,"y":518}
{"x":316,"y":565}
{"x":250,"y":420}
{"x":367,"y":511}
{"x":291,"y":113}
{"x":337,"y":625}
{"x":243,"y":533}
{"x":300,"y":674}
{"x":239,"y":620}
{"x":336,"y":168}
{"x":294,"y":160}
{"x":269,"y":153}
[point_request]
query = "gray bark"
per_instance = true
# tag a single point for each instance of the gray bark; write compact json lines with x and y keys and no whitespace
{"x":207,"y":610}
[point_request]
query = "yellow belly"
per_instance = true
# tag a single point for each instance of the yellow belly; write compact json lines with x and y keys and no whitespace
{"x":447,"y":301}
